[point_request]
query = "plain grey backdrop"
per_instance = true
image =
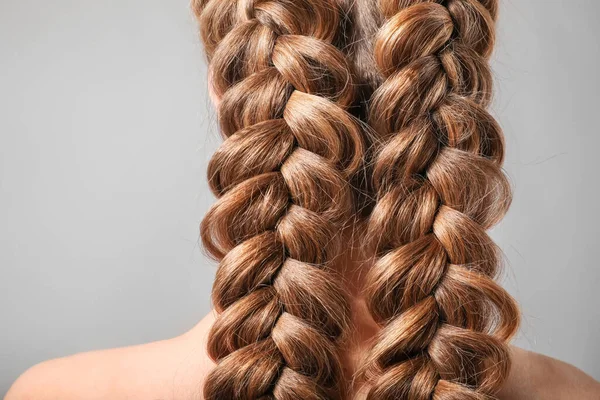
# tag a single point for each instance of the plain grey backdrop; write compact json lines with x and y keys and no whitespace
{"x":105,"y":133}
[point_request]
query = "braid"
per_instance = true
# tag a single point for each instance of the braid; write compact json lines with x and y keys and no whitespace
{"x":281,"y":177}
{"x":439,"y":185}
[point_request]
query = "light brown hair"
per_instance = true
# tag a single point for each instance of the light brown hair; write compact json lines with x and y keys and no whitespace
{"x":439,"y":186}
{"x":288,"y":73}
{"x":282,"y":181}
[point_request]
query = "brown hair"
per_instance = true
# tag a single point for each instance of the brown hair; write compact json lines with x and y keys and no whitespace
{"x":439,"y":186}
{"x":282,"y":178}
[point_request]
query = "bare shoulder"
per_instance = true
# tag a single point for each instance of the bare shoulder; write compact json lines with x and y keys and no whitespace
{"x":175,"y":369}
{"x":169,"y":369}
{"x":535,"y":376}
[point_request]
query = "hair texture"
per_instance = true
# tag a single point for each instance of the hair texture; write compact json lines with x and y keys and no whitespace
{"x":439,"y":186}
{"x":282,"y":181}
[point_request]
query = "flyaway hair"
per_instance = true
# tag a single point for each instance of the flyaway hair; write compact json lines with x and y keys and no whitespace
{"x":282,"y":181}
{"x":439,"y":186}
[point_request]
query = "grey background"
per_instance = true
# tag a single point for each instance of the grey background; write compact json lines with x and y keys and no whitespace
{"x":106,"y":129}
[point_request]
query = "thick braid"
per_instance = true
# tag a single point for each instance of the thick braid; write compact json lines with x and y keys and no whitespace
{"x":281,"y":177}
{"x":439,"y":184}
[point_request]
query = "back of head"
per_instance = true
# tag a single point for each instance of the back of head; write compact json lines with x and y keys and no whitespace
{"x":289,"y":74}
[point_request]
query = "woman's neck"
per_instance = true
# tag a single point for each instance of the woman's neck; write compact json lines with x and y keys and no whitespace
{"x":352,"y":265}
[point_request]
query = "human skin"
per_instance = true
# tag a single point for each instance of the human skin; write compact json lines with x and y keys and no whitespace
{"x":175,"y":369}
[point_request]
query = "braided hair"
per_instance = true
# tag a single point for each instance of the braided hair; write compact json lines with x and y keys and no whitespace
{"x":281,"y":179}
{"x":439,"y":186}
